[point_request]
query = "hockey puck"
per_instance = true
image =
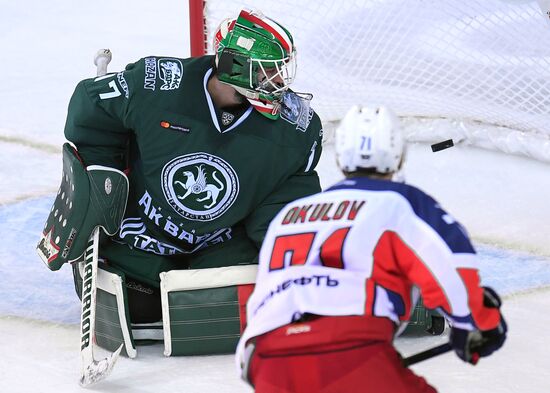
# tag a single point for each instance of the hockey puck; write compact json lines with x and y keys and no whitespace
{"x":442,"y":145}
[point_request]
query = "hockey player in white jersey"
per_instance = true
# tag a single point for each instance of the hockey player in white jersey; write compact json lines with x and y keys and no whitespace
{"x":339,"y":273}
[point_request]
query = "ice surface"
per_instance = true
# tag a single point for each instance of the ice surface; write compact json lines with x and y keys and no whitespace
{"x":48,"y":46}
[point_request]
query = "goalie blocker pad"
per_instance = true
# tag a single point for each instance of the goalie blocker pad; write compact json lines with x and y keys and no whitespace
{"x":88,"y":197}
{"x":204,"y":310}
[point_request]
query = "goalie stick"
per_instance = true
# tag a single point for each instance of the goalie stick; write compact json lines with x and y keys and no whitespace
{"x":93,"y":370}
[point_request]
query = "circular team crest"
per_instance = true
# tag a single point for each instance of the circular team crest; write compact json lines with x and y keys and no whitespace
{"x":199,"y":186}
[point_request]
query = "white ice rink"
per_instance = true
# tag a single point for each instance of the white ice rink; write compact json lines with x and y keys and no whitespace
{"x":48,"y":46}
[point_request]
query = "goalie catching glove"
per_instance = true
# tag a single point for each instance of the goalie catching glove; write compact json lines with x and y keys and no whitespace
{"x":471,"y":345}
{"x":88,"y":197}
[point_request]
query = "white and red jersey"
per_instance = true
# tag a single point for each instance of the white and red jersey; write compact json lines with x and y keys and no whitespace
{"x":360,"y":248}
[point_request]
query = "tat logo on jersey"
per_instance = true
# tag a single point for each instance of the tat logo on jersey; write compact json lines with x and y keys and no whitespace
{"x":171,"y":72}
{"x":200,"y":186}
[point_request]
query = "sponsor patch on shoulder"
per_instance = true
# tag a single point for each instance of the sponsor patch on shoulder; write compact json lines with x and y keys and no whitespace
{"x":170,"y":72}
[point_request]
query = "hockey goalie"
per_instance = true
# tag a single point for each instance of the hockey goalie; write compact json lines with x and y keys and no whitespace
{"x":182,"y":163}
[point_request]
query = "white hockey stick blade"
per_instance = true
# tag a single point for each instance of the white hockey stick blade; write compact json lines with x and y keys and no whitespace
{"x":101,"y":59}
{"x":98,"y":370}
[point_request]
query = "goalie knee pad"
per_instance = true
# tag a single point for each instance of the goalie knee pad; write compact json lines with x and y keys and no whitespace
{"x":204,"y":310}
{"x":88,"y":197}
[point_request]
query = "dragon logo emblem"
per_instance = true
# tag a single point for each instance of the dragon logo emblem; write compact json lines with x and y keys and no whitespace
{"x":200,"y":186}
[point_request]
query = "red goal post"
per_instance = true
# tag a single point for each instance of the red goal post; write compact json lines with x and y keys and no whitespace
{"x":477,"y":71}
{"x":197,"y":28}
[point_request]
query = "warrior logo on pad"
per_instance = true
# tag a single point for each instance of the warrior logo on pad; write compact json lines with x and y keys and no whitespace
{"x":200,"y":186}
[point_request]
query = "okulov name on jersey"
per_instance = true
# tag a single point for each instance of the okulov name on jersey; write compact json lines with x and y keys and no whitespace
{"x":331,"y":211}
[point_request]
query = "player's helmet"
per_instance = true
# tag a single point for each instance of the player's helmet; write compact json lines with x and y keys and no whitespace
{"x":256,"y":56}
{"x":370,"y":139}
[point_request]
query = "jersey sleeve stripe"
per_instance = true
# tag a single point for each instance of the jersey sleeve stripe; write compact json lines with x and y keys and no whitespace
{"x":391,"y":246}
{"x":484,"y":318}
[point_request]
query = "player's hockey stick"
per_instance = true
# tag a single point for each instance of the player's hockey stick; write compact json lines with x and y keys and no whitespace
{"x":427,"y":354}
{"x":92,"y":370}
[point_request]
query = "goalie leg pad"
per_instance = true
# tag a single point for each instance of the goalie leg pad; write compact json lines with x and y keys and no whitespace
{"x":88,"y":197}
{"x":204,"y":310}
{"x":112,"y":326}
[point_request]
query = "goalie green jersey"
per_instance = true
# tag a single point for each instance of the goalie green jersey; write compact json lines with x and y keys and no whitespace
{"x":200,"y":177}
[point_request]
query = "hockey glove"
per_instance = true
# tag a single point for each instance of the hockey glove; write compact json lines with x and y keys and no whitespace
{"x":471,"y":345}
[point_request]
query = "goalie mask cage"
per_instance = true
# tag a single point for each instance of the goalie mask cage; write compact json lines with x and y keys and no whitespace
{"x":477,"y":71}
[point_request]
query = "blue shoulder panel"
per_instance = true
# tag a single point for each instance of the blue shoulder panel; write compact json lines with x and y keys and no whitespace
{"x":423,"y":205}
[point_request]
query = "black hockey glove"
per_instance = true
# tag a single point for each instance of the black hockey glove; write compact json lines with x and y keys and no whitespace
{"x":471,"y":345}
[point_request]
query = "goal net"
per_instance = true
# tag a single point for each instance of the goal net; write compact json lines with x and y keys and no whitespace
{"x":477,"y":71}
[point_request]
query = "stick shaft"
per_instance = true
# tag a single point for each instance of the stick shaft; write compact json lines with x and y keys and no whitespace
{"x":92,"y":370}
{"x":89,"y":289}
{"x":427,"y":354}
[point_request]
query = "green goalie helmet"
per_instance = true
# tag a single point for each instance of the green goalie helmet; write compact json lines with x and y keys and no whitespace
{"x":256,"y":56}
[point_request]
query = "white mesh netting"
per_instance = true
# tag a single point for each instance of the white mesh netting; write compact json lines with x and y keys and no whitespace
{"x":482,"y":67}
